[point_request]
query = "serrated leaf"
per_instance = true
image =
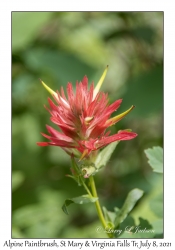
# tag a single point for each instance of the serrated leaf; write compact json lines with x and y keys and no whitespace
{"x":133,"y":196}
{"x":155,"y":158}
{"x":104,"y":156}
{"x":78,"y":200}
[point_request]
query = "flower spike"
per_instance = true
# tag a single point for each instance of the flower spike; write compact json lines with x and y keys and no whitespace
{"x":83,"y":118}
{"x":98,"y":86}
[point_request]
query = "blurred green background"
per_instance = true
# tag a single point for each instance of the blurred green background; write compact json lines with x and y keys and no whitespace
{"x":64,"y":46}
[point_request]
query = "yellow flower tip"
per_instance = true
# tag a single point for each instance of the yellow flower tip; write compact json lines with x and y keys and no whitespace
{"x":47,"y":88}
{"x":117,"y":118}
{"x":88,"y":119}
{"x":100,"y":82}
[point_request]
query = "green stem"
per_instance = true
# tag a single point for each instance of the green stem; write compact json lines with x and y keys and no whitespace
{"x":87,"y":189}
{"x":98,"y":207}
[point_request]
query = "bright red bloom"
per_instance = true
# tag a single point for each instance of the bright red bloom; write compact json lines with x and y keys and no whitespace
{"x":83,"y":118}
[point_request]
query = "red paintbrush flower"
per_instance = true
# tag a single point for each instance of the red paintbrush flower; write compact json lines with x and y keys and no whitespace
{"x":83,"y":118}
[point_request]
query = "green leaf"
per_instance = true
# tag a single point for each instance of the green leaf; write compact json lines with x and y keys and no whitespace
{"x":104,"y":156}
{"x":61,"y":66}
{"x":78,"y":200}
{"x":158,"y":226}
{"x":143,"y":230}
{"x":109,"y":216}
{"x":133,"y":196}
{"x":129,"y":221}
{"x":156,"y":205}
{"x":40,"y":219}
{"x":155,"y":158}
{"x":17,"y":179}
{"x":26,"y":27}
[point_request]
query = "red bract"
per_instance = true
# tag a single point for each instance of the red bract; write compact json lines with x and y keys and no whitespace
{"x":83,"y":118}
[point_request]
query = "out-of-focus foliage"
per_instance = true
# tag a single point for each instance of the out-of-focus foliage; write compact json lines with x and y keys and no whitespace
{"x":59,"y":47}
{"x":155,"y":158}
